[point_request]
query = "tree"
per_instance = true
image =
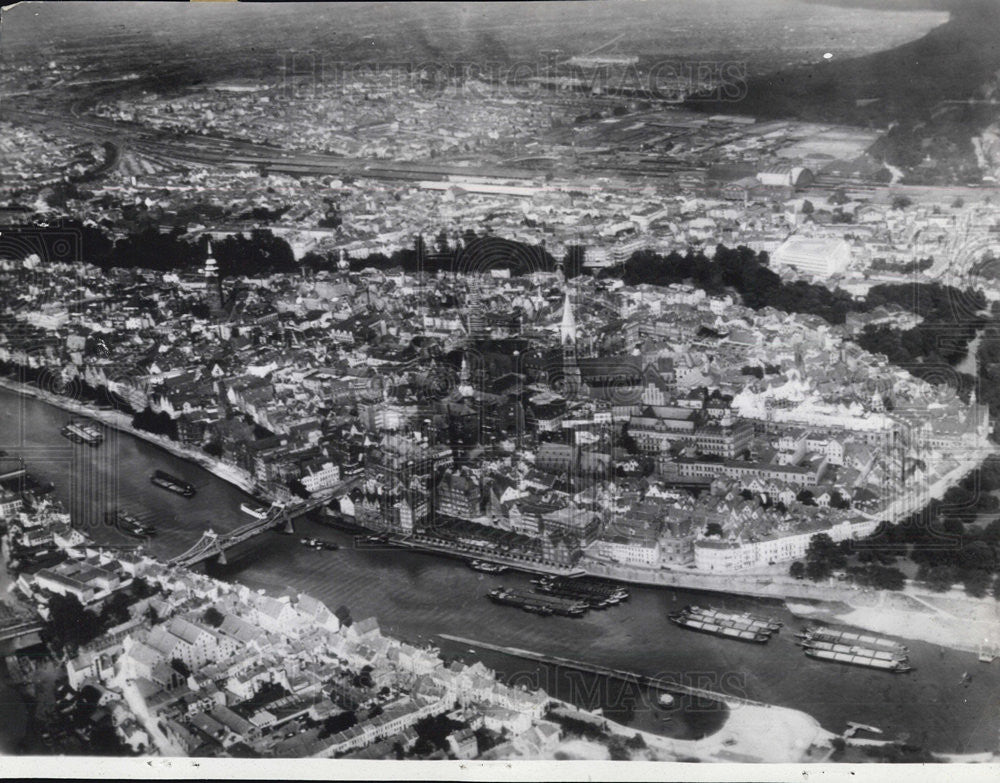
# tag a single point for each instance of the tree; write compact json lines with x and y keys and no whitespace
{"x":807,"y":207}
{"x":817,"y":571}
{"x":977,"y":582}
{"x":941,"y":578}
{"x":296,"y":486}
{"x":806,"y":498}
{"x":115,"y":609}
{"x":824,"y":554}
{"x":714,"y":529}
{"x":797,"y":569}
{"x":339,"y":722}
{"x":69,"y":623}
{"x":901,"y":202}
{"x":636,"y":742}
{"x":213,"y":617}
{"x":213,"y":448}
{"x":618,"y":748}
{"x":343,"y":614}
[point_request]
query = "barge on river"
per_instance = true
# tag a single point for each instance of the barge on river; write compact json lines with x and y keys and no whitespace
{"x":538,"y":604}
{"x":83,"y":432}
{"x":821,"y":633}
{"x":174,"y":484}
{"x":860,"y":659}
{"x":704,"y":625}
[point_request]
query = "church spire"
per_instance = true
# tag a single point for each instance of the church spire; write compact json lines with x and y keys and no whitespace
{"x":567,"y":329}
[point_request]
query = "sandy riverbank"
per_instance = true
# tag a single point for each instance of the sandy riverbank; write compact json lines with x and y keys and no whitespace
{"x":958,"y":622}
{"x":752,"y":733}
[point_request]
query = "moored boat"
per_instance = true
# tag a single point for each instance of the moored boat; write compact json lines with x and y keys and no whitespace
{"x":163,"y":479}
{"x":486,"y":567}
{"x":537,"y":603}
{"x":895,"y":666}
{"x":598,"y":594}
{"x":743,"y":618}
{"x":822,"y":633}
{"x":83,"y":432}
{"x":850,"y":649}
{"x":129,"y":525}
{"x":693,"y":623}
{"x":257,"y":512}
{"x":318,"y":543}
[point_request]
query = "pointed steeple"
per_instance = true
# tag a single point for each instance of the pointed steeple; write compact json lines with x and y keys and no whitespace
{"x":567,"y":329}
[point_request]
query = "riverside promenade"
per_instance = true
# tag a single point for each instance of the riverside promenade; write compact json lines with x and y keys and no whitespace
{"x":967,"y":628}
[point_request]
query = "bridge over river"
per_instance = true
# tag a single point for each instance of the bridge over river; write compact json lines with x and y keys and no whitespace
{"x":212,"y":544}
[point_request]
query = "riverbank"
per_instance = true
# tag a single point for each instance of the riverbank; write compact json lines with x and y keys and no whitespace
{"x":966,"y":625}
{"x":418,"y":595}
{"x":954,"y":620}
{"x":121,"y":422}
{"x":753,"y":731}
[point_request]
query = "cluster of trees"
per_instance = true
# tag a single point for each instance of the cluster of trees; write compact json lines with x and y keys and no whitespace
{"x":988,"y":364}
{"x":921,"y":350}
{"x":621,"y":748}
{"x":336,"y":723}
{"x":157,"y":423}
{"x":882,"y":265}
{"x":145,"y":247}
{"x":823,"y":557}
{"x":71,"y":625}
{"x":432,"y":733}
{"x":748,"y":273}
{"x":940,"y":539}
{"x":479,"y":254}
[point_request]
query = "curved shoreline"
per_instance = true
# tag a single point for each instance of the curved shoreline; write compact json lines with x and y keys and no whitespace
{"x":121,"y":423}
{"x":942,"y":629}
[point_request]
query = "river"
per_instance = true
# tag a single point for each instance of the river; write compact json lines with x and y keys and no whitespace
{"x":417,"y":596}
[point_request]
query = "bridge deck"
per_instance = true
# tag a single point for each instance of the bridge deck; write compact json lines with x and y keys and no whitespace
{"x":213,"y":544}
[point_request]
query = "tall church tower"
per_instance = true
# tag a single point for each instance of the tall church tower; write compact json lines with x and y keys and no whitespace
{"x":213,"y":283}
{"x":568,"y":338}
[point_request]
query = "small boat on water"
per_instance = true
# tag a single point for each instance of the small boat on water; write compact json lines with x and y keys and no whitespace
{"x":129,"y":525}
{"x":257,"y":512}
{"x":318,"y":543}
{"x":486,"y":567}
{"x":83,"y":432}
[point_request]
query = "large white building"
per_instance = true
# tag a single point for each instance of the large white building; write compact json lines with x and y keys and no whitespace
{"x":821,"y":256}
{"x":716,"y":555}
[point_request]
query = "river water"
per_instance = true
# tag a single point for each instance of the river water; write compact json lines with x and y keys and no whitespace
{"x":416,"y":596}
